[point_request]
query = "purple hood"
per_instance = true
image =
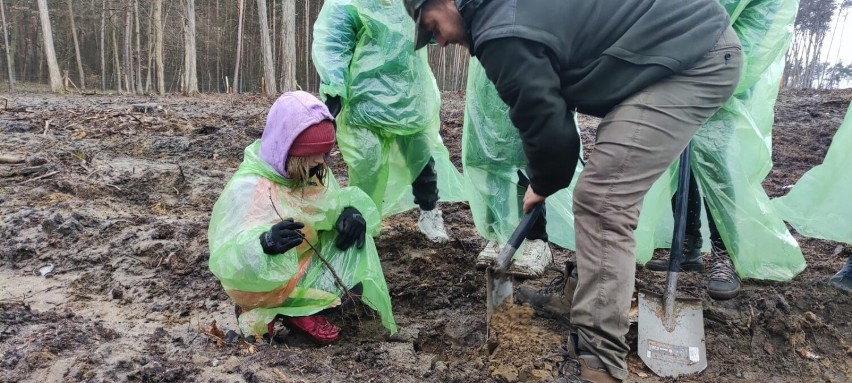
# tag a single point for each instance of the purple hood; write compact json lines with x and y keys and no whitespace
{"x":289,"y":116}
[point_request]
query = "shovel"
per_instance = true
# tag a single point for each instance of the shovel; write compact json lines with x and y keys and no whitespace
{"x":671,"y":330}
{"x":497,"y":281}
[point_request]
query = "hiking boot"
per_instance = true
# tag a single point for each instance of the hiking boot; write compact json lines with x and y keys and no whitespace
{"x":530,"y":261}
{"x":723,"y":282}
{"x":578,"y":366}
{"x":553,"y":300}
{"x":431,"y":224}
{"x":692,"y":259}
{"x":317,"y":327}
{"x":843,"y":279}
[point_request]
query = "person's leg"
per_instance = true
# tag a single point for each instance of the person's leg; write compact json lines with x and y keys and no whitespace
{"x":692,"y":242}
{"x":415,"y":149}
{"x":365,"y":154}
{"x":723,"y":282}
{"x":636,"y":143}
{"x":425,"y":187}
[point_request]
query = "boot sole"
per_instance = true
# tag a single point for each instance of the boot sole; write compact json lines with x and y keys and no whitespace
{"x":689,"y":268}
{"x":723,"y":295}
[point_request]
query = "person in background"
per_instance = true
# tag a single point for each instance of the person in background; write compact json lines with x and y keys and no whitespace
{"x":387,"y":106}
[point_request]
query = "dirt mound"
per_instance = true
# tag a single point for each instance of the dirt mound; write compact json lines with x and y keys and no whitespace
{"x":518,"y":348}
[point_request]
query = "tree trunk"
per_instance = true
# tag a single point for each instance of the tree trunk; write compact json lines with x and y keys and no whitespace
{"x":76,"y":46}
{"x":149,"y":40}
{"x":190,"y":73}
{"x":266,"y":50}
{"x":50,"y":53}
{"x":128,"y":47}
{"x":9,"y":63}
{"x":241,"y":4}
{"x":117,"y":66}
{"x":103,"y":46}
{"x":288,"y":49}
{"x":138,"y":54}
{"x":158,"y":47}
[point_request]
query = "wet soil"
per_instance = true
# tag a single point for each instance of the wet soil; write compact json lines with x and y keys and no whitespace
{"x":118,"y":200}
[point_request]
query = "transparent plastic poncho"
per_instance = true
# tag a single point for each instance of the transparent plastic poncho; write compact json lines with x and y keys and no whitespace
{"x":363,"y":52}
{"x":492,"y":154}
{"x":732,"y":154}
{"x":818,"y":204}
{"x":295,"y":283}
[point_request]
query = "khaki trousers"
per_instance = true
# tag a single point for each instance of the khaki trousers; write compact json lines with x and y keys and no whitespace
{"x":636,"y":142}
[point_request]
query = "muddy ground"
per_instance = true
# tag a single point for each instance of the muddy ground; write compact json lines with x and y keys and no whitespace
{"x":118,"y":202}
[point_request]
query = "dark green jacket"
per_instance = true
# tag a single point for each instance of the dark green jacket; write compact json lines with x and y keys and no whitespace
{"x":550,"y":57}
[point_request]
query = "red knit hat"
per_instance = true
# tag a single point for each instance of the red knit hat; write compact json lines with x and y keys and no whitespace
{"x":316,"y":139}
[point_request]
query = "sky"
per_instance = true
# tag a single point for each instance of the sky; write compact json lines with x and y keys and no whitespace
{"x":839,"y":50}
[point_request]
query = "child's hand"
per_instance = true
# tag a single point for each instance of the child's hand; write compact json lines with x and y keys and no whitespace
{"x":283,"y":236}
{"x":351,"y":228}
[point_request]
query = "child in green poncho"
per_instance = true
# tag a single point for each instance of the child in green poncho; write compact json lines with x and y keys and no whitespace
{"x":280,"y":215}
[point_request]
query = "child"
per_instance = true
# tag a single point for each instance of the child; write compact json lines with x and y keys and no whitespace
{"x":280,"y":215}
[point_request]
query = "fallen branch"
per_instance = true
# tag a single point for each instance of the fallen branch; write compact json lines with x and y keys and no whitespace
{"x":40,"y":177}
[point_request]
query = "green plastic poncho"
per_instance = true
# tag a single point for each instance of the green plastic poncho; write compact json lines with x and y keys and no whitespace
{"x":732,"y":155}
{"x":818,"y":204}
{"x":390,"y":117}
{"x":492,"y":154}
{"x":295,"y":283}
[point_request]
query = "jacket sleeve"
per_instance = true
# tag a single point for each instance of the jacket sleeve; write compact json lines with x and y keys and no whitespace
{"x":526,"y":78}
{"x":334,"y":40}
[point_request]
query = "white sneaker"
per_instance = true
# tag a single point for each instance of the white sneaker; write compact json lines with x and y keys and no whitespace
{"x":532,"y":259}
{"x":488,"y":255}
{"x":431,"y":224}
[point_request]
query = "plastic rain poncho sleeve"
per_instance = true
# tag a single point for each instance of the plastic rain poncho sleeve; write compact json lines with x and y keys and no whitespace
{"x":492,"y":154}
{"x":295,"y":283}
{"x":732,"y":155}
{"x":363,"y":51}
{"x":818,"y":204}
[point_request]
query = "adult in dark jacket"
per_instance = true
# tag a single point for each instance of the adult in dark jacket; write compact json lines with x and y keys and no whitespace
{"x":653,"y":70}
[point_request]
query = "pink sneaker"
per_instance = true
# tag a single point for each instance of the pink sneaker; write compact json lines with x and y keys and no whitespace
{"x":319,"y":328}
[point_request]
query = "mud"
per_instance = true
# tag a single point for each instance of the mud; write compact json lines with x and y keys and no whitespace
{"x":118,"y":200}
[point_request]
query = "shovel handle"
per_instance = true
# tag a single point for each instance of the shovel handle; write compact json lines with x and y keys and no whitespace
{"x":504,"y":259}
{"x":676,"y":253}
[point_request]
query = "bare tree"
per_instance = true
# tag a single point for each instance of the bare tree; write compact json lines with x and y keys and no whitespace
{"x":139,"y":88}
{"x":129,"y":78}
{"x":49,"y":51}
{"x":190,"y":71}
{"x":158,"y":46}
{"x":103,"y":46}
{"x":76,"y":46}
{"x":117,"y":65}
{"x":266,"y":50}
{"x":242,"y":5}
{"x":9,"y":63}
{"x":288,"y":49}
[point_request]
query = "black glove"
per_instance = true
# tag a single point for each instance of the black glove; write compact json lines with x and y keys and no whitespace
{"x":333,"y":105}
{"x":351,"y":227}
{"x":283,"y":236}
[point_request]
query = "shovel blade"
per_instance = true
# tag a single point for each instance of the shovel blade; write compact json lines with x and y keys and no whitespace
{"x":672,"y":345}
{"x":498,"y":289}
